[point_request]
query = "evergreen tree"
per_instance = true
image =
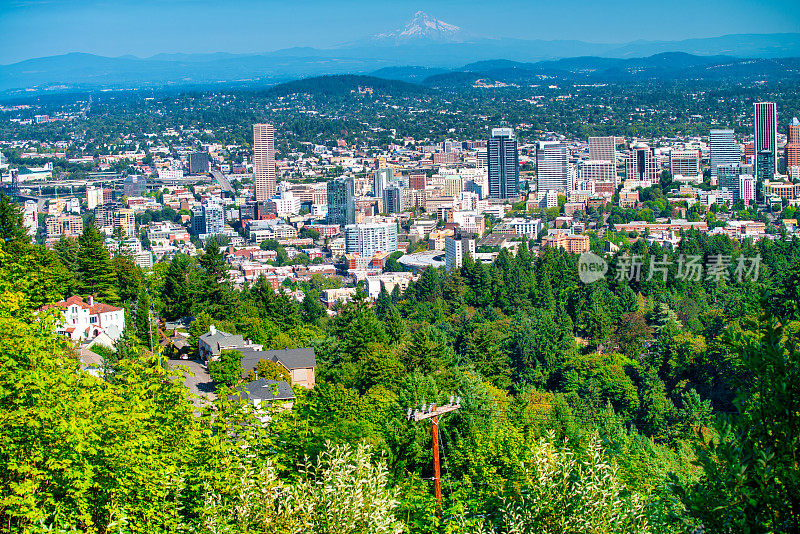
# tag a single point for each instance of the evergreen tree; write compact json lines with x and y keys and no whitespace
{"x":67,"y":250}
{"x":143,"y":326}
{"x":176,"y":294}
{"x":395,"y":326}
{"x":96,"y":274}
{"x":382,"y":303}
{"x":12,"y":223}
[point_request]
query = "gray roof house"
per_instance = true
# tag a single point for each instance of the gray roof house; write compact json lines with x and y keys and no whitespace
{"x":263,"y":393}
{"x":301,"y":363}
{"x":267,"y":390}
{"x":213,"y":342}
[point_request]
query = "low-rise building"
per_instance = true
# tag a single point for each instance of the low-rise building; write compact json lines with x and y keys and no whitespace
{"x":85,"y":320}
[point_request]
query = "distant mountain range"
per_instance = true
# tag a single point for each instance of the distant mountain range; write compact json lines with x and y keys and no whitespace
{"x":667,"y":66}
{"x":431,"y":46}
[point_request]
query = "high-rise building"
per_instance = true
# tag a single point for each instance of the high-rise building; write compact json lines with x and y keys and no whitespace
{"x":603,"y":149}
{"x":793,"y":144}
{"x":765,"y":165}
{"x":94,"y":197}
{"x":198,"y":222}
{"x":747,"y":188}
{"x":392,"y":199}
{"x":418,"y":180}
{"x":383,"y":176}
{"x":453,"y":185}
{"x":765,"y":135}
{"x":473,"y":186}
{"x":66,"y":225}
{"x":552,"y":166}
{"x":214,"y":215}
{"x":134,"y":186}
{"x":737,"y":179}
{"x":125,"y":220}
{"x":341,"y":202}
{"x":481,"y":158}
{"x":455,"y":248}
{"x":594,"y":170}
{"x":264,"y":161}
{"x":208,"y":219}
{"x":503,"y":163}
{"x":198,"y":162}
{"x":30,"y":217}
{"x":641,"y":165}
{"x":368,"y":238}
{"x":724,"y":149}
{"x":685,"y":163}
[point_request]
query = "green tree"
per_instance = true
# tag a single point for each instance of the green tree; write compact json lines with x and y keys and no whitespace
{"x":272,"y":371}
{"x":143,"y":326}
{"x":750,"y":480}
{"x":12,"y":223}
{"x":96,"y":274}
{"x":227,"y":369}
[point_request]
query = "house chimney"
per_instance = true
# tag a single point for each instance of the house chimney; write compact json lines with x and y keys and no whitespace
{"x":90,"y":300}
{"x":212,"y":329}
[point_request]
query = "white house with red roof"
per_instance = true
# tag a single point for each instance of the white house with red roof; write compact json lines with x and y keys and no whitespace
{"x":85,"y":320}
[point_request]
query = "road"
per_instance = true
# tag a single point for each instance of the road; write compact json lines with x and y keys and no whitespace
{"x":222,"y":181}
{"x":200,"y":384}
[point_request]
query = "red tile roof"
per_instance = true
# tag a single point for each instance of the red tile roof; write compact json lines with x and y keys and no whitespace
{"x":103,"y":308}
{"x":76,"y":300}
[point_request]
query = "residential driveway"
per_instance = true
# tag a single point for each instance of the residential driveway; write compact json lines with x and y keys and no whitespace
{"x":196,"y":378}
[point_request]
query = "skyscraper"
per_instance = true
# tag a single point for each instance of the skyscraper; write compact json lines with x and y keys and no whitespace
{"x":724,"y":150}
{"x":552,"y":166}
{"x":503,"y":162}
{"x":685,"y":163}
{"x":793,"y":144}
{"x":198,"y":162}
{"x":641,"y":165}
{"x":264,"y":161}
{"x":765,"y":165}
{"x":341,"y":202}
{"x":392,"y":199}
{"x":418,"y":180}
{"x":603,"y":148}
{"x":383,"y":176}
{"x":368,"y":238}
{"x":765,"y":135}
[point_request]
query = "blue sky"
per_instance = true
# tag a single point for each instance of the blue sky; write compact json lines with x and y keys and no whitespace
{"x":35,"y":28}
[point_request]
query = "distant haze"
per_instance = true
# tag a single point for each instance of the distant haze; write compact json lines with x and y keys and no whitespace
{"x":148,"y":27}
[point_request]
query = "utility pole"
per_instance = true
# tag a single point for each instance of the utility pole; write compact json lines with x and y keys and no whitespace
{"x":433,"y":412}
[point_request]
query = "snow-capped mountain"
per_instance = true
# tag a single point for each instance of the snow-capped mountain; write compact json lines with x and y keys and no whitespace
{"x":423,"y":28}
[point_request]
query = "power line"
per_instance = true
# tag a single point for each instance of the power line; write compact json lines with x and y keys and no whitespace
{"x":433,"y":412}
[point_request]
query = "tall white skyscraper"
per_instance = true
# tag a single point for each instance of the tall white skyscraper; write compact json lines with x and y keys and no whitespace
{"x":552,"y":166}
{"x":264,"y":161}
{"x":765,"y":132}
{"x":724,"y":149}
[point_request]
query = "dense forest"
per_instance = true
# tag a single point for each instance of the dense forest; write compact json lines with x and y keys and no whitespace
{"x":652,"y":403}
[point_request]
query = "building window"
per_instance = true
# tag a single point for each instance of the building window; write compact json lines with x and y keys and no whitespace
{"x":93,"y":319}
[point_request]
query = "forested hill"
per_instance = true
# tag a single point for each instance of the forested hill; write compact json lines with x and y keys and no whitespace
{"x":661,"y":67}
{"x":664,"y":402}
{"x":344,"y":84}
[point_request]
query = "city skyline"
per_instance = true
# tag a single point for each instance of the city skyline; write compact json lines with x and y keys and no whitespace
{"x":110,"y":30}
